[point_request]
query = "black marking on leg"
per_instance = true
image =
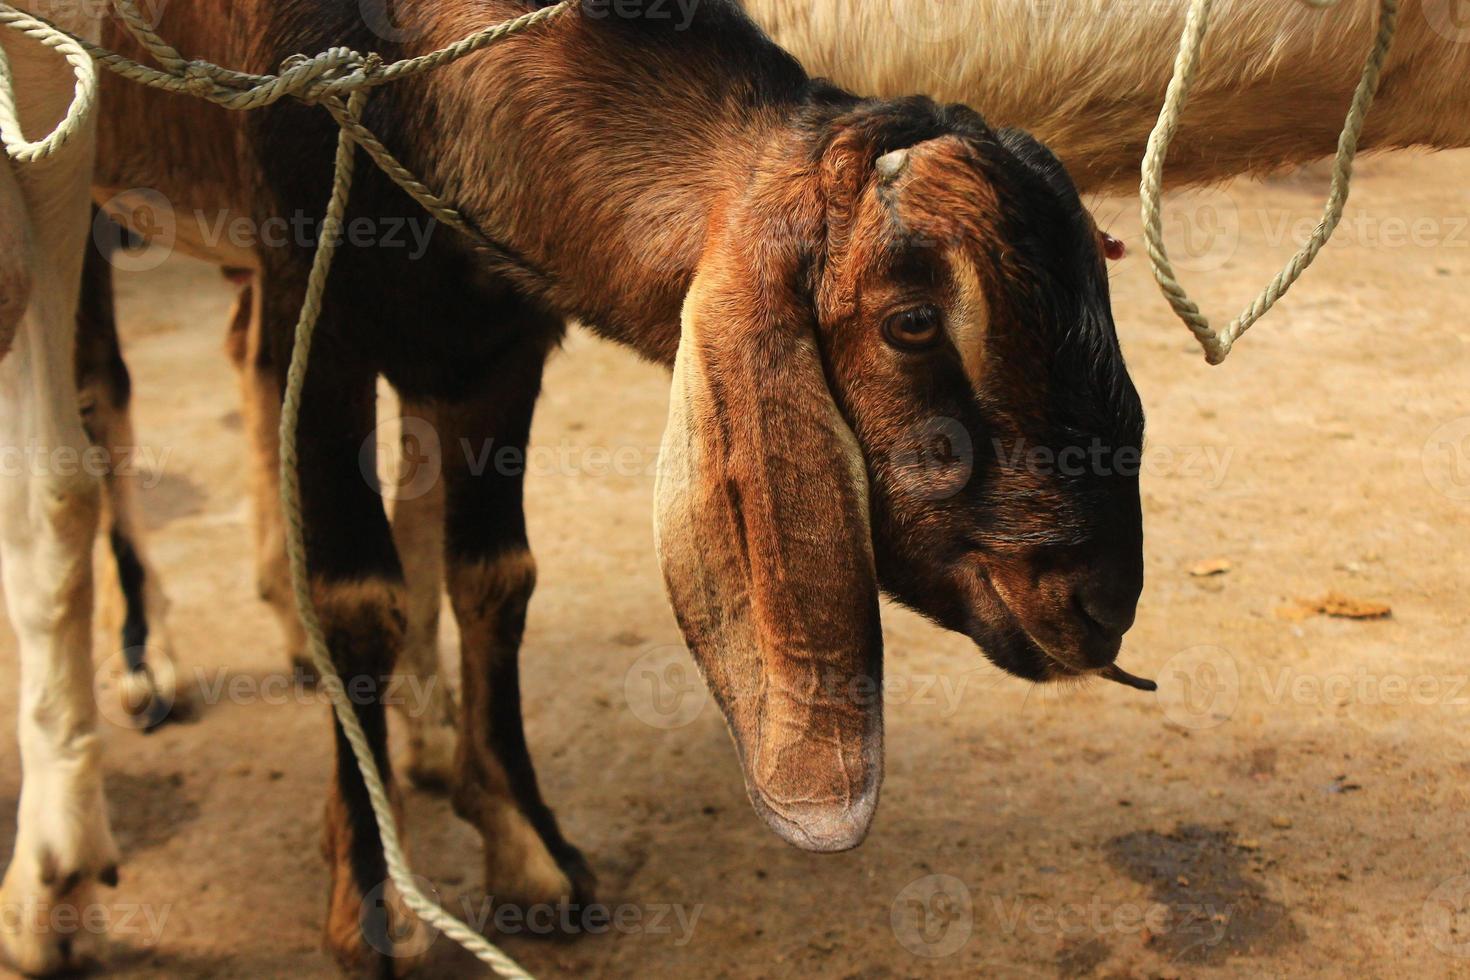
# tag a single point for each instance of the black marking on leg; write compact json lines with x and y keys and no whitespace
{"x":365,"y":854}
{"x":131,"y":576}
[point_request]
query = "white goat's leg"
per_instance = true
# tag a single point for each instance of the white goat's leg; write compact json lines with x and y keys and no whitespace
{"x":48,"y":520}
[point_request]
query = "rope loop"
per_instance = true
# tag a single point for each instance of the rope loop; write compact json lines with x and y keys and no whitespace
{"x":1218,"y":343}
{"x":84,"y":96}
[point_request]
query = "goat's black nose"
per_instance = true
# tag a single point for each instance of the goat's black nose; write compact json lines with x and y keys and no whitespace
{"x":1111,"y":610}
{"x":1107,"y":605}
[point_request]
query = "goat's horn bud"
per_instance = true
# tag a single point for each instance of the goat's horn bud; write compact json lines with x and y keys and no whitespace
{"x":891,"y":165}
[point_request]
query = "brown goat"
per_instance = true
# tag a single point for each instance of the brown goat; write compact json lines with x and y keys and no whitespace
{"x":1087,"y":77}
{"x":828,"y":277}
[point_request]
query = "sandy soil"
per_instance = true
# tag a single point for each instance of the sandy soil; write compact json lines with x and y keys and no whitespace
{"x":1292,"y":802}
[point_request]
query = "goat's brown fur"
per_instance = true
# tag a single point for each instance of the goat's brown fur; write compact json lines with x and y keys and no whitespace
{"x":631,"y":171}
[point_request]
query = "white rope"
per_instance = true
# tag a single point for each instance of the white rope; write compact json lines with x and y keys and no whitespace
{"x":397,"y":864}
{"x":1217,"y":344}
{"x":17,"y":147}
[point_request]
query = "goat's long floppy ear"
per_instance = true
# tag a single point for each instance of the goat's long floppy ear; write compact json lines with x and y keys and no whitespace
{"x":763,"y":534}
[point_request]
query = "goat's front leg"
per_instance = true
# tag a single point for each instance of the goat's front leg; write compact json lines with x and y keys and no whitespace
{"x":145,"y":674}
{"x":358,"y":591}
{"x":490,"y":576}
{"x":48,"y":521}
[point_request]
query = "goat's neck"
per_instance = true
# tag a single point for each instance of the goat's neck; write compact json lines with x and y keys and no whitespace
{"x":602,"y":161}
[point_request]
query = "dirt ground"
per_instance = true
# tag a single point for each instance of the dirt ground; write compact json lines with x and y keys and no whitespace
{"x":1292,"y":802}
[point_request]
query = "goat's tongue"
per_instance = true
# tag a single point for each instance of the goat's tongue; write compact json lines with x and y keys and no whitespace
{"x":1120,"y":676}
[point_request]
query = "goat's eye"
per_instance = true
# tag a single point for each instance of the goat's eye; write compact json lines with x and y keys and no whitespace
{"x":914,"y":329}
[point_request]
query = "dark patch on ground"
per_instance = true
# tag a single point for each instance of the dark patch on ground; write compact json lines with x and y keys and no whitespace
{"x":1081,"y":958}
{"x":147,"y":809}
{"x":1216,"y":909}
{"x":1262,"y":763}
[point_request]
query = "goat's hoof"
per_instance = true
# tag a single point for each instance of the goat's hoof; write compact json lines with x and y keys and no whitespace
{"x":50,"y":928}
{"x":584,"y":881}
{"x":137,"y":688}
{"x":554,"y":915}
{"x":523,"y":871}
{"x":147,"y":696}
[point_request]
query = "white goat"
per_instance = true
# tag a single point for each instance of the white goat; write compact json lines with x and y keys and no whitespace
{"x":1088,"y":76}
{"x":48,"y":520}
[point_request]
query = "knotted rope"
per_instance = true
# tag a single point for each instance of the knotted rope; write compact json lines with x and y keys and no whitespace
{"x":1217,"y":344}
{"x":340,"y":80}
